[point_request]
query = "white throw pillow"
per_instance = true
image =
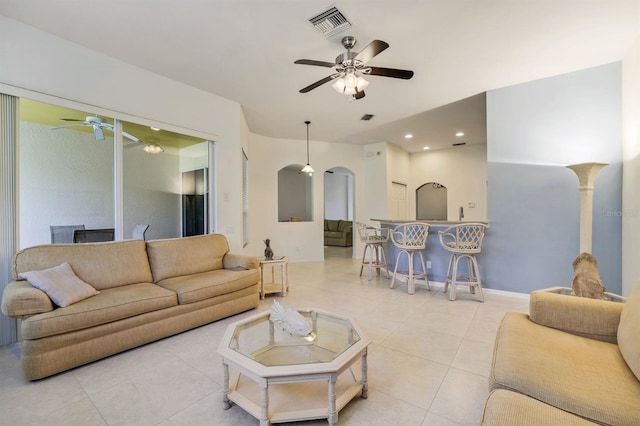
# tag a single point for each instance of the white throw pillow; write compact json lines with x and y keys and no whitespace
{"x":61,"y":284}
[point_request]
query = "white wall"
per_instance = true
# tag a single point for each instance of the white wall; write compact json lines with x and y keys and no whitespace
{"x":336,"y":196}
{"x":534,"y":130}
{"x":463,"y":170}
{"x":301,"y":241}
{"x":54,"y":70}
{"x":630,"y":169}
{"x":399,"y":171}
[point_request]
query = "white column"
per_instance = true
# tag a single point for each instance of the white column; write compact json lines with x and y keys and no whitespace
{"x":586,"y":176}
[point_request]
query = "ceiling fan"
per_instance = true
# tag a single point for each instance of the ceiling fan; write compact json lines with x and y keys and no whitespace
{"x":350,"y":66}
{"x":98,"y":125}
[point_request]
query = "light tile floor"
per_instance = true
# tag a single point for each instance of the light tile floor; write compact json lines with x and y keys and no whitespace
{"x":428,"y":362}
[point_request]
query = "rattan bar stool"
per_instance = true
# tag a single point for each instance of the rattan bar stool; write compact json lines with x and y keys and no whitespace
{"x":410,"y":239}
{"x":374,"y":240}
{"x":463,"y":241}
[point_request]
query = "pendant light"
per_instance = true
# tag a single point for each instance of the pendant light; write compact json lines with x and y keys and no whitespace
{"x":307,"y":169}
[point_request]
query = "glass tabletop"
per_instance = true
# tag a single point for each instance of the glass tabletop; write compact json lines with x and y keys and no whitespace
{"x":270,"y":345}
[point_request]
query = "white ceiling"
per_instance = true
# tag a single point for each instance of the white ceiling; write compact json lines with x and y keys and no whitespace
{"x":244,"y":50}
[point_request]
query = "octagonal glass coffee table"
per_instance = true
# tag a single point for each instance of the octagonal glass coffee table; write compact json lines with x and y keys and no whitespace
{"x":278,"y":377}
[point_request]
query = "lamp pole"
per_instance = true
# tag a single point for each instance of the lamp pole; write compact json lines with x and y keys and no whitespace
{"x":586,"y":176}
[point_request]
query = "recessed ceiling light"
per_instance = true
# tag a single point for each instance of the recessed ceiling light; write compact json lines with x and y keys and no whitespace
{"x":425,"y":147}
{"x":154,"y":128}
{"x":408,"y":136}
{"x":460,"y":134}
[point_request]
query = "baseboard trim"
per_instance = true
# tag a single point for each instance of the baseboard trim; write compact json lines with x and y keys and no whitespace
{"x":524,"y":296}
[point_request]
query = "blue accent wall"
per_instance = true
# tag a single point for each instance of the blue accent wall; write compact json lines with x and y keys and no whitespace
{"x":534,"y":130}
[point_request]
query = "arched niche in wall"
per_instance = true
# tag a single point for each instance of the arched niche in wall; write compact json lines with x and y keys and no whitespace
{"x":295,"y":195}
{"x":431,"y":201}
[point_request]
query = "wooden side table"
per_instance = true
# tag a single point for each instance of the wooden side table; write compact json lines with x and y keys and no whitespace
{"x":274,"y":286}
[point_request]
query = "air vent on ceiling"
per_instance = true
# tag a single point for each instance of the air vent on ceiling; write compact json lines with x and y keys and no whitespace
{"x":330,"y":22}
{"x":459,"y":144}
{"x":367,"y":117}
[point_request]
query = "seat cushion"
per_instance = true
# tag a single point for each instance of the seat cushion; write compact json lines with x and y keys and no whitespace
{"x":505,"y":408}
{"x":629,"y":331}
{"x":334,"y":234}
{"x":583,"y":376}
{"x":109,"y":305}
{"x":196,"y":287}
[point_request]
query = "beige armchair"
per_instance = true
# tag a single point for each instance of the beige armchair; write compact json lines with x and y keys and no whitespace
{"x":570,"y":355}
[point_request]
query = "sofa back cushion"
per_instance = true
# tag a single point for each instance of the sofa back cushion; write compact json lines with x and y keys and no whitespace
{"x":185,"y":256}
{"x":629,"y":331}
{"x":345,"y":226}
{"x":332,"y":225}
{"x":101,"y":265}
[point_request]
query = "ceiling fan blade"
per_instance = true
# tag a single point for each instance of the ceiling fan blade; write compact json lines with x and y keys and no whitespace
{"x":71,"y":119}
{"x":359,"y":95}
{"x":388,"y":72}
{"x":98,"y":133}
{"x":70,"y":125}
{"x":130,"y":136}
{"x":371,"y":50}
{"x":319,"y":83}
{"x":317,"y":63}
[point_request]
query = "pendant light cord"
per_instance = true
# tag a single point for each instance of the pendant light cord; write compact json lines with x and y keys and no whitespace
{"x":307,"y":123}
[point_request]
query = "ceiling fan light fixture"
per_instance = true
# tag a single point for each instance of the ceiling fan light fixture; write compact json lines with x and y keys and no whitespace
{"x":153,"y":149}
{"x":350,"y":84}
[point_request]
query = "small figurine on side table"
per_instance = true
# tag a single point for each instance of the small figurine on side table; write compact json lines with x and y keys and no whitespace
{"x":268,"y":253}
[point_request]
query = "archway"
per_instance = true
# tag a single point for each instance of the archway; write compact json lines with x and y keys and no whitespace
{"x":339,"y":201}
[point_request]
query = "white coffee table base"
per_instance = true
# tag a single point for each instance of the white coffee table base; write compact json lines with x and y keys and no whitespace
{"x":295,"y":397}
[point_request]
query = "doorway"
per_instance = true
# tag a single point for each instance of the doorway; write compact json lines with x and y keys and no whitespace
{"x":339,"y":211}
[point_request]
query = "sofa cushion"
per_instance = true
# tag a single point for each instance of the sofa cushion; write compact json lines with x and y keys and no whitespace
{"x":334,"y":234}
{"x":332,"y":225}
{"x":195,"y":287}
{"x":629,"y":331}
{"x":505,"y":408}
{"x":110,"y":305}
{"x":60,"y":283}
{"x":178,"y":257}
{"x":583,"y":376}
{"x":101,"y":265}
{"x":344,"y":226}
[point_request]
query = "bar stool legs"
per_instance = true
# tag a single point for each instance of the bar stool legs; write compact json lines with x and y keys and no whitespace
{"x":410,"y":273}
{"x":375,"y":250}
{"x":472,"y":279}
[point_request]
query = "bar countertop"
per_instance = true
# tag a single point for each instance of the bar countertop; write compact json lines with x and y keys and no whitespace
{"x":433,"y":223}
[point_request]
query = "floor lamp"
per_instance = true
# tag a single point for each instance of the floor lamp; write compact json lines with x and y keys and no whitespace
{"x":586,"y":175}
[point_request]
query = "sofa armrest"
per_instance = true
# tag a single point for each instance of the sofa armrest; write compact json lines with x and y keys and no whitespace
{"x":20,"y":299}
{"x":595,"y":319}
{"x":234,"y":261}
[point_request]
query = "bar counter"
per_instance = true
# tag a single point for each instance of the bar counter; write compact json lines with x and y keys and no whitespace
{"x":434,"y":252}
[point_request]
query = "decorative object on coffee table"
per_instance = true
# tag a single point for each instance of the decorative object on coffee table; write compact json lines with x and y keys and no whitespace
{"x":290,"y":321}
{"x":268,"y":253}
{"x":587,"y":282}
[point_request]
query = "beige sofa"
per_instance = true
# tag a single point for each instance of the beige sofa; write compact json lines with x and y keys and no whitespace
{"x":571,"y":361}
{"x":147,"y":291}
{"x":338,"y":233}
